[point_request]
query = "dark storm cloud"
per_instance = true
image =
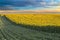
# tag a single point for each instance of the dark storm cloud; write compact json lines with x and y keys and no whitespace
{"x":20,"y":3}
{"x":23,"y":3}
{"x":4,"y":4}
{"x":14,"y":3}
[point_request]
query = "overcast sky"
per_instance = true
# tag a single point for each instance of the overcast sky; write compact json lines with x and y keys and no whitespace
{"x":27,"y":4}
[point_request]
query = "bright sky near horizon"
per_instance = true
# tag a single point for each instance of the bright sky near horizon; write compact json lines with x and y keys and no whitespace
{"x":28,"y":4}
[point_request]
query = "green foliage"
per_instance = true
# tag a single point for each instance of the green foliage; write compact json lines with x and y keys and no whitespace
{"x":12,"y":31}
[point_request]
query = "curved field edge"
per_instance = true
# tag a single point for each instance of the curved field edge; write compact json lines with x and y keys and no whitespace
{"x":49,"y":28}
{"x":35,"y":19}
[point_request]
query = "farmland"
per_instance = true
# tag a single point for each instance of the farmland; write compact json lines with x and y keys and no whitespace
{"x":35,"y":19}
{"x":10,"y":30}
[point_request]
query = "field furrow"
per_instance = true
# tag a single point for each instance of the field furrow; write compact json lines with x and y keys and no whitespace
{"x":13,"y":31}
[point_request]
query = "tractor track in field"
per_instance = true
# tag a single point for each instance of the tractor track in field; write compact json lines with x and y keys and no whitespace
{"x":9,"y":31}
